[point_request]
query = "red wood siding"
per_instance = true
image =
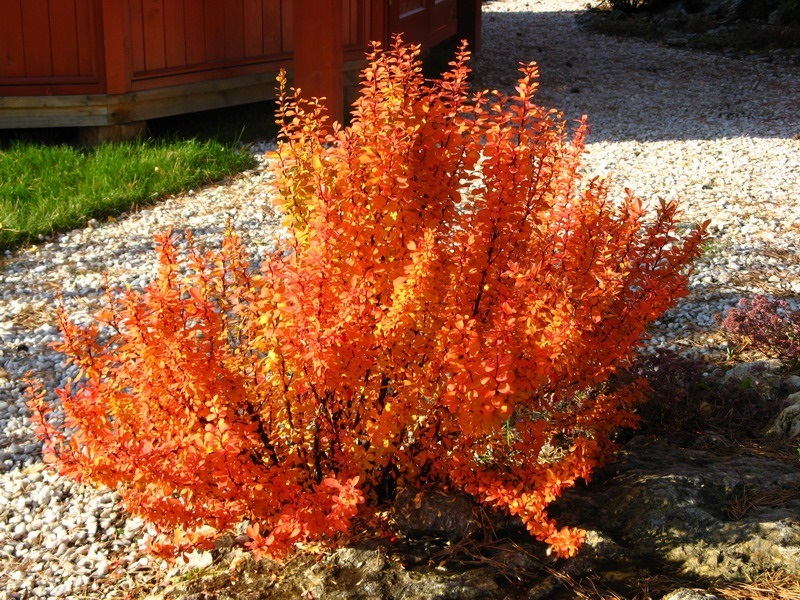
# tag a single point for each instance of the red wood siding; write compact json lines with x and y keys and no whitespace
{"x":443,"y":23}
{"x":12,"y":42}
{"x":49,"y":42}
{"x":64,"y":47}
{"x":353,"y":15}
{"x":36,"y":26}
{"x":174,"y":35}
{"x":425,"y":22}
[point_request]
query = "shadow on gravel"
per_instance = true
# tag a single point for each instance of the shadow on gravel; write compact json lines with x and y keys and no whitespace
{"x":637,"y":90}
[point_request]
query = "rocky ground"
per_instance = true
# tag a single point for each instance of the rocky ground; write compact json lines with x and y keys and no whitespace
{"x":769,"y":29}
{"x":720,"y":133}
{"x":707,"y":511}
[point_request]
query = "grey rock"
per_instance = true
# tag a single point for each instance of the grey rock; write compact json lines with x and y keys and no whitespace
{"x":762,"y":375}
{"x":677,"y":41}
{"x":727,"y":9}
{"x":714,"y":516}
{"x":433,"y":514}
{"x":787,"y":423}
{"x":792,"y":384}
{"x":346,"y":574}
{"x":687,"y":594}
{"x":777,"y":17}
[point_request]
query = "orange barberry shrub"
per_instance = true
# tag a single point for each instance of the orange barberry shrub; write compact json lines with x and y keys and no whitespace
{"x":445,"y":312}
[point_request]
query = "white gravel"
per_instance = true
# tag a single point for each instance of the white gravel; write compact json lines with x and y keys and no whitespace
{"x":59,"y":539}
{"x":722,"y":135}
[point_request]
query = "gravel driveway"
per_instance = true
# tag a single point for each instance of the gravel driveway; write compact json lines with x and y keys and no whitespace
{"x":721,"y":134}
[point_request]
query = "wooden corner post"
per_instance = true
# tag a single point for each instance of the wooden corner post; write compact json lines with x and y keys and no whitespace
{"x":319,"y":52}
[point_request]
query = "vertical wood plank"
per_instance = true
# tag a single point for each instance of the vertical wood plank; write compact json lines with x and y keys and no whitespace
{"x":155,"y":51}
{"x":215,"y":30}
{"x":137,"y":42}
{"x":287,"y":29}
{"x":194,"y":18}
{"x":36,"y":33}
{"x":378,"y":24}
{"x":318,"y":52}
{"x":272,"y":26}
{"x":378,"y":21}
{"x":234,"y":29}
{"x":353,"y":18}
{"x":12,"y":42}
{"x":116,"y":31}
{"x":253,"y":28}
{"x":64,"y":37}
{"x":87,"y":22}
{"x":345,"y":20}
{"x":365,"y":16}
{"x":174,"y":34}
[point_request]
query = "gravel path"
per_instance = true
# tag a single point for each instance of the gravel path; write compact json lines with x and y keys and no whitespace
{"x":721,"y":134}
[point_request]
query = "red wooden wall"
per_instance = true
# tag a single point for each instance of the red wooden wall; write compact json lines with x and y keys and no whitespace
{"x":425,"y":22}
{"x":184,"y":35}
{"x":111,"y":62}
{"x":54,"y":42}
{"x":93,"y":46}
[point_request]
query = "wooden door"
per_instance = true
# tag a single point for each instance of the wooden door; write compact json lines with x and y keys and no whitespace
{"x":425,"y":22}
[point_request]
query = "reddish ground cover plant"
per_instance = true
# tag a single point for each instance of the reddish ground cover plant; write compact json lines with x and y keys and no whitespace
{"x":444,"y":314}
{"x":769,"y":326}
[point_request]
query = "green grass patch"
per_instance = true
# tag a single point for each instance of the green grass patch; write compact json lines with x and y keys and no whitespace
{"x":45,"y":189}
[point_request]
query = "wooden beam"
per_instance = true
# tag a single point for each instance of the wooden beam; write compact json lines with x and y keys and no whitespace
{"x":318,"y":52}
{"x":82,"y":110}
